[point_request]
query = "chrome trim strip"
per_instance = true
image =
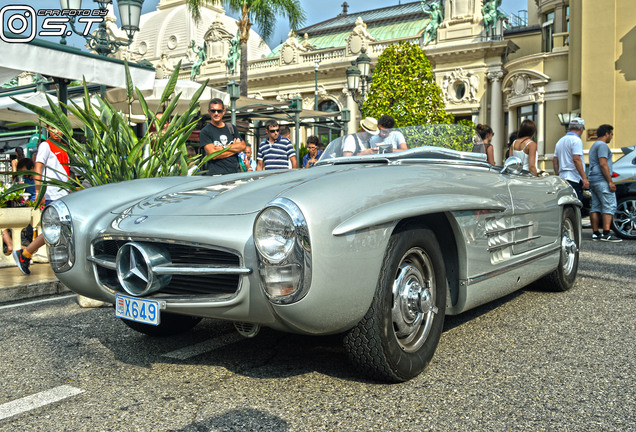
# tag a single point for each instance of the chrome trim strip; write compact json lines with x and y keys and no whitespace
{"x":516,"y":242}
{"x":492,"y":274}
{"x":503,"y":230}
{"x":109,"y":264}
{"x":199,"y":269}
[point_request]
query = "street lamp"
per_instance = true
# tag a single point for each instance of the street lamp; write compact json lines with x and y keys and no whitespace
{"x":359,"y":77}
{"x":565,"y":118}
{"x":234,"y":90}
{"x":316,"y":66}
{"x":100,"y":41}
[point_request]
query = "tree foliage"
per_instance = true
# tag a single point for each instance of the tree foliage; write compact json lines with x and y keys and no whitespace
{"x":404,"y":87}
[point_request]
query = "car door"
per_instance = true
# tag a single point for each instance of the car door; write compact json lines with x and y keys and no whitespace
{"x":536,"y":215}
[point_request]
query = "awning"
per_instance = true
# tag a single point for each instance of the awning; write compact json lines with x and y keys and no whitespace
{"x":55,"y":60}
{"x":119,"y":99}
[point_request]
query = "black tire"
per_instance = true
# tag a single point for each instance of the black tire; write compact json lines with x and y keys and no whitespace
{"x":563,"y":277}
{"x":624,"y":220}
{"x":170,"y":325}
{"x":398,"y":336}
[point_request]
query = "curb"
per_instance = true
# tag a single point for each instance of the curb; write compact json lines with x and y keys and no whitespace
{"x":31,"y":290}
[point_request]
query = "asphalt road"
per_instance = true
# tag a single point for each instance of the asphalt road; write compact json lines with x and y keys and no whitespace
{"x":533,"y":361}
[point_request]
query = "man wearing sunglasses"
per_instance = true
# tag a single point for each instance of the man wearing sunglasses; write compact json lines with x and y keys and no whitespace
{"x":218,"y":135}
{"x":276,"y":151}
{"x":387,"y":135}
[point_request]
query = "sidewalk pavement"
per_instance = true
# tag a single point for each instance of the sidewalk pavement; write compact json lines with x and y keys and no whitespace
{"x":41,"y":282}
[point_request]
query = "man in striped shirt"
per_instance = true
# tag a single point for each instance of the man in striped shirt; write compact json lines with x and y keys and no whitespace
{"x":276,"y":151}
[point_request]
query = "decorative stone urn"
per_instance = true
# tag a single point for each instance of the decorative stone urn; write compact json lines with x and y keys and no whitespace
{"x":15,"y":220}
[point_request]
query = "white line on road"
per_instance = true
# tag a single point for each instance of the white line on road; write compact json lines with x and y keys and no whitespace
{"x":37,"y":301}
{"x":37,"y":400}
{"x":204,"y":347}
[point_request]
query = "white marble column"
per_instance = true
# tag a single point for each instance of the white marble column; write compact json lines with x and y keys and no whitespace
{"x":352,"y":106}
{"x":541,"y":129}
{"x":511,"y":122}
{"x":496,"y":114}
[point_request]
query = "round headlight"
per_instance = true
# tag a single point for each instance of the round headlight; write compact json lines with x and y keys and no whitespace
{"x":51,"y":225}
{"x":274,"y":234}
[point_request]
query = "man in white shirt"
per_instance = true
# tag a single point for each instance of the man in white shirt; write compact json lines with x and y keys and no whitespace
{"x":568,"y":157}
{"x":53,"y":164}
{"x":387,"y":135}
{"x":358,"y":143}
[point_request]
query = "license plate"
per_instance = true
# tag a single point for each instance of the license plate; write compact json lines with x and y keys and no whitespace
{"x":135,"y":309}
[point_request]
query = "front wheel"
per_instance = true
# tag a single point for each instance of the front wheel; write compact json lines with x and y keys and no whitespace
{"x":170,"y":325}
{"x":624,"y":220}
{"x":397,"y":337}
{"x":562,"y":278}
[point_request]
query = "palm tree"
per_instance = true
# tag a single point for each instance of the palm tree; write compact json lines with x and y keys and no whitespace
{"x":260,"y":12}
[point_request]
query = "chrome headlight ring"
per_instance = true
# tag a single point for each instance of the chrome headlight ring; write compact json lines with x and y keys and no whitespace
{"x":57,"y":228}
{"x":281,"y":237}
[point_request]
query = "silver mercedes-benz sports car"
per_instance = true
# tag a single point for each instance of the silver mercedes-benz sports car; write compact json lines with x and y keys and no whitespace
{"x":378,"y":247}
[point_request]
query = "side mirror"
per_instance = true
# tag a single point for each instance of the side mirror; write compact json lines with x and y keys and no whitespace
{"x":513,"y":165}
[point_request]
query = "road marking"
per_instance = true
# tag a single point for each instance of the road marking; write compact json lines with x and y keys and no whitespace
{"x":204,"y":347}
{"x":37,"y":400}
{"x":37,"y":301}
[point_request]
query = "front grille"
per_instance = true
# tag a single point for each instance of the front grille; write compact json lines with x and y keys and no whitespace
{"x":212,"y":286}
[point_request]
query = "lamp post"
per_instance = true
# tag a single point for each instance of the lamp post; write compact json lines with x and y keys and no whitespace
{"x":316,"y":66}
{"x":100,"y":41}
{"x":234,"y":90}
{"x":565,"y":118}
{"x":345,"y":117}
{"x":359,"y":77}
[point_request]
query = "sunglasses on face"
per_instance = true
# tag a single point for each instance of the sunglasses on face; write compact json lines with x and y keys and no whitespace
{"x":216,"y":111}
{"x":311,"y":147}
{"x":273,"y":130}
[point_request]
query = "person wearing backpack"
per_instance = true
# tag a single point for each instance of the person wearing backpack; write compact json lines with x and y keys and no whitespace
{"x":359,"y":142}
{"x":218,"y":135}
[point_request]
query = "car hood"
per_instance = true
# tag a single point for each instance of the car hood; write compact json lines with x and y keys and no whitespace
{"x":224,"y":195}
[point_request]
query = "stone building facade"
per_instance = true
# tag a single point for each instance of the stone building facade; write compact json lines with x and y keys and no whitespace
{"x":570,"y":56}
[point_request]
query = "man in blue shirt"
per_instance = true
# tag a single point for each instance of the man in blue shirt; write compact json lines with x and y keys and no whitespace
{"x":601,"y":185}
{"x":276,"y":151}
{"x":568,"y":157}
{"x":313,"y":155}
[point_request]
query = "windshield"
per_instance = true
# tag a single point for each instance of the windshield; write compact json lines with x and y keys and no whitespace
{"x":440,"y":136}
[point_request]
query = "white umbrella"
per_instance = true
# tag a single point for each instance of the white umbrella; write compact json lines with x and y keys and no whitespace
{"x":118,"y":97}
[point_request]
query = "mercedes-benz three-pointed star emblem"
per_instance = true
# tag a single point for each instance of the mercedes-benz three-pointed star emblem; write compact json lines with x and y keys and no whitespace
{"x":134,"y":265}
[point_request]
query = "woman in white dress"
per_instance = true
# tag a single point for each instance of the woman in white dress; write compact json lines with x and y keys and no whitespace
{"x":525,"y":148}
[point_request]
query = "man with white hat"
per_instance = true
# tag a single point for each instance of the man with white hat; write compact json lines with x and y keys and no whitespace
{"x":568,"y":157}
{"x":358,"y":143}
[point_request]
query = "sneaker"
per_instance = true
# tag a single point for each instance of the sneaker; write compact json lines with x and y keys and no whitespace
{"x":610,"y":238}
{"x":596,"y":236}
{"x":22,"y":262}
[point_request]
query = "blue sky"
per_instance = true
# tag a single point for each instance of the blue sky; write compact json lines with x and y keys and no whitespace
{"x":316,"y":11}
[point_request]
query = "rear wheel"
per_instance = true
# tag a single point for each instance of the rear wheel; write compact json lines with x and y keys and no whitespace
{"x":562,"y":278}
{"x":171,"y":324}
{"x":397,"y":337}
{"x":624,"y":221}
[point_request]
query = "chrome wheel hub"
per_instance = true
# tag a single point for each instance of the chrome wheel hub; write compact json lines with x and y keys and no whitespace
{"x":569,"y":248}
{"x":413,"y":307}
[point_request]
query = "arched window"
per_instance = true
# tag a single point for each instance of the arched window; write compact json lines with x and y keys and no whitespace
{"x":328,"y":106}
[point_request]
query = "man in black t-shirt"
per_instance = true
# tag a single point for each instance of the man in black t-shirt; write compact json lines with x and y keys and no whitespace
{"x":218,"y":135}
